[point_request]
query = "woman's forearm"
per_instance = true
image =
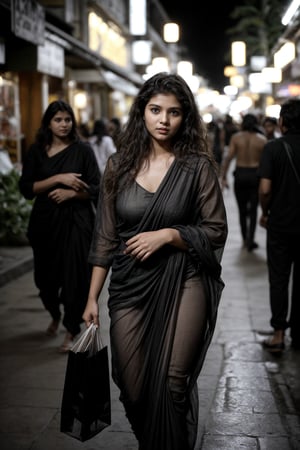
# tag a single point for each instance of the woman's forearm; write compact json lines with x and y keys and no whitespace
{"x":98,"y":278}
{"x":43,"y":185}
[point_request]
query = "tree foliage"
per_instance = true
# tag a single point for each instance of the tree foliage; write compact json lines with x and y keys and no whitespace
{"x":14,"y":210}
{"x":258,"y":24}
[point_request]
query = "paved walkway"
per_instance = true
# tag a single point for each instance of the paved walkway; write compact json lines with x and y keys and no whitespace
{"x":248,"y":398}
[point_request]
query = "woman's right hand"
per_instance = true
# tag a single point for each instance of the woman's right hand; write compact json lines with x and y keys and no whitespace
{"x":91,"y":313}
{"x":263,"y":221}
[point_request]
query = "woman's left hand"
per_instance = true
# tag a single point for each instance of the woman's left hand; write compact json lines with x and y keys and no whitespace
{"x":60,"y":195}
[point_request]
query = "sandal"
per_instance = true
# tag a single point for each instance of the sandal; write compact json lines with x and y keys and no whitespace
{"x":277,"y":347}
{"x":52,"y":328}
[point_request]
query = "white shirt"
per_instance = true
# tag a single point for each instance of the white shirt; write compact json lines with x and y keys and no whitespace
{"x":102,"y":150}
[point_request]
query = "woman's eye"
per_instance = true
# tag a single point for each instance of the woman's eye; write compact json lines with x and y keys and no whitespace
{"x":154,"y":110}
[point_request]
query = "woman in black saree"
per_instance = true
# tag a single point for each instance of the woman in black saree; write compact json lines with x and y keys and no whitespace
{"x":61,"y":174}
{"x":161,"y":227}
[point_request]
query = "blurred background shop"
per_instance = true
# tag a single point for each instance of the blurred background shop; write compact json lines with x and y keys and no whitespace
{"x":96,"y":55}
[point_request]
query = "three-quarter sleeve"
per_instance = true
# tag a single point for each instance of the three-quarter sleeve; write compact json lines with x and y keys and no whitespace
{"x":28,"y":175}
{"x":105,"y":240}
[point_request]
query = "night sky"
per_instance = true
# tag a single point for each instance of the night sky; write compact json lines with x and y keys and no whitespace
{"x":203,"y":36}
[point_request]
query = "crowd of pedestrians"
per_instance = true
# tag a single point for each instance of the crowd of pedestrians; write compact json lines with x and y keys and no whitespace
{"x":267,"y":177}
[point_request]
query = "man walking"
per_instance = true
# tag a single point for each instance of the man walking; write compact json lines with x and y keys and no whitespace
{"x":246,"y":147}
{"x":279,"y":196}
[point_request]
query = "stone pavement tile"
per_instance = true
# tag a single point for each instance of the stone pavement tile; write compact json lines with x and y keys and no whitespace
{"x":19,"y":420}
{"x":50,"y":438}
{"x":244,"y":401}
{"x":239,"y":334}
{"x":246,"y":382}
{"x":276,"y":443}
{"x":16,"y":441}
{"x":229,"y":443}
{"x":292,"y":423}
{"x":244,"y":369}
{"x":243,"y":351}
{"x":236,"y":424}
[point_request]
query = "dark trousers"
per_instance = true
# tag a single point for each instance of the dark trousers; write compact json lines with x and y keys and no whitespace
{"x":283,"y":256}
{"x":246,"y":193}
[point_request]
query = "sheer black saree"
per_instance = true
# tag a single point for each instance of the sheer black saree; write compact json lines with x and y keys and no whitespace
{"x":163,"y":311}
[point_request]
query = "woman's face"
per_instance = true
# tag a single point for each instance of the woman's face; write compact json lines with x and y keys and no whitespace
{"x":163,"y":117}
{"x":61,"y":124}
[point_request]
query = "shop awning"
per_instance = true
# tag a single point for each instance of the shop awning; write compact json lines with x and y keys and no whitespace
{"x":118,"y":83}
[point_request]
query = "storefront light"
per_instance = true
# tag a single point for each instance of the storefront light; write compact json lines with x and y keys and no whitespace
{"x":240,"y":105}
{"x":257,"y":63}
{"x":272,"y":75}
{"x":171,"y":32}
{"x":185,"y":69}
{"x":231,"y":91}
{"x":161,"y":64}
{"x":71,"y":84}
{"x":285,"y":55}
{"x":80,"y":100}
{"x":141,"y":52}
{"x":194,"y":83}
{"x":258,"y":84}
{"x":137,"y":17}
{"x":290,"y":12}
{"x":273,"y":110}
{"x":230,"y":71}
{"x":237,"y":81}
{"x":238,"y":53}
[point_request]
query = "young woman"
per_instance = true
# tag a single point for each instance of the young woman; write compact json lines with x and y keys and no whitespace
{"x":61,"y":173}
{"x":161,"y":228}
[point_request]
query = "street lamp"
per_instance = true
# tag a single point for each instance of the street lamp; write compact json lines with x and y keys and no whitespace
{"x":238,"y":53}
{"x":185,"y":69}
{"x":171,"y":36}
{"x":171,"y":32}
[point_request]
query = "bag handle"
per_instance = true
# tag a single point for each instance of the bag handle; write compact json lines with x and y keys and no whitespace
{"x":89,"y":341}
{"x":288,"y":151}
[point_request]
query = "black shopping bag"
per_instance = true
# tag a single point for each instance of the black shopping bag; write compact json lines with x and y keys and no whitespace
{"x":86,"y":401}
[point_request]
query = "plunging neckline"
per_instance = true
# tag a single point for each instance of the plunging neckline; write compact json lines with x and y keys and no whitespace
{"x":59,"y":152}
{"x":144,"y":189}
{"x":161,"y":181}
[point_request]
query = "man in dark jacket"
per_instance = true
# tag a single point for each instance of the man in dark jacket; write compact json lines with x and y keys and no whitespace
{"x":279,"y":196}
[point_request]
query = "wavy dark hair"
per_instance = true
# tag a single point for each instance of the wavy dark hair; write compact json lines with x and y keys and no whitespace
{"x":44,"y":135}
{"x":250,"y":123}
{"x":290,"y":114}
{"x":134,"y":141}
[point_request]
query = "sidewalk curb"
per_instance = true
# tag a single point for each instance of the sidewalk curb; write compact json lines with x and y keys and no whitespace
{"x":13,"y":267}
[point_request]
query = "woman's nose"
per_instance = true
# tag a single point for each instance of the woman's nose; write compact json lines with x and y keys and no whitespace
{"x":164,"y":118}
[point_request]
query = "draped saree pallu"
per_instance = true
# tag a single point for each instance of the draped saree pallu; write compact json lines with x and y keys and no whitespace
{"x":163,"y":311}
